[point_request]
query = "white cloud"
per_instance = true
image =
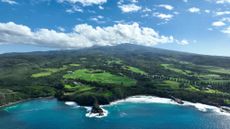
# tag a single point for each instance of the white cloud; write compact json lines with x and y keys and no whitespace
{"x":182,"y":42}
{"x":226,"y":19}
{"x":168,"y":7}
{"x":226,"y":30}
{"x":101,"y":7}
{"x":163,"y":16}
{"x":222,"y":1}
{"x":98,"y":19}
{"x":207,"y":11}
{"x":134,"y":1}
{"x":9,"y":1}
{"x":185,"y":1}
{"x":127,"y":1}
{"x":146,"y":10}
{"x":85,"y":2}
{"x":83,"y":35}
{"x":218,"y":24}
{"x":74,"y":9}
{"x":220,"y":13}
{"x":127,"y":8}
{"x":61,"y":29}
{"x":194,"y":10}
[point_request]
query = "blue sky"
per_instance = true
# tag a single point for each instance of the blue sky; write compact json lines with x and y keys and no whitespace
{"x":198,"y":26}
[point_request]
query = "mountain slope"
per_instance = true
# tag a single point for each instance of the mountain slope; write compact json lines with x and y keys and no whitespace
{"x":108,"y":73}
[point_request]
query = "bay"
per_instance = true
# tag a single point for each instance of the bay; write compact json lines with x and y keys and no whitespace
{"x":53,"y":114}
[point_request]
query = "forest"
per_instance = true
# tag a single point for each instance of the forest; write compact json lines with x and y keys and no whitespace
{"x":105,"y":74}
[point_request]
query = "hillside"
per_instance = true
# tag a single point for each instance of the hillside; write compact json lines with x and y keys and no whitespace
{"x":105,"y":74}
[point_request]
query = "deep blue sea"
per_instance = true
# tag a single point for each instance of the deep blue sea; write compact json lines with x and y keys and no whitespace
{"x":53,"y":114}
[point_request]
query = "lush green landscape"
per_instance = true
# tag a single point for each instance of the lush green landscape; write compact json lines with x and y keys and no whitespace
{"x":105,"y":74}
{"x":101,"y":77}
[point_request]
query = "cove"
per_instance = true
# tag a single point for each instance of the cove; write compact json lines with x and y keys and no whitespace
{"x":54,"y":114}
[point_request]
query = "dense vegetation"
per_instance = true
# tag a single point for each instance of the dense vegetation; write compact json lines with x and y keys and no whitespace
{"x":104,"y":74}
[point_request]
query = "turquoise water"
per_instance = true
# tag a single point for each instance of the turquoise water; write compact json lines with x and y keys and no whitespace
{"x":53,"y":114}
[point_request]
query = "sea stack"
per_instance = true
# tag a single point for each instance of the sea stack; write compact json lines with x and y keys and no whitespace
{"x":96,"y":109}
{"x":225,"y":109}
{"x":179,"y":101}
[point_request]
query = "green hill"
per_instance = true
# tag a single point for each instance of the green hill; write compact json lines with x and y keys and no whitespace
{"x":105,"y":74}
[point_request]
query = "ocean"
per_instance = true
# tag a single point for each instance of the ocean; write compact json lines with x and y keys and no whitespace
{"x":134,"y":113}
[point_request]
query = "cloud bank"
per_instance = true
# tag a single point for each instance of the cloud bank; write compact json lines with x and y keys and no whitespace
{"x":82,"y":35}
{"x":85,"y":2}
{"x":9,"y":1}
{"x":126,"y":8}
{"x":222,"y":1}
{"x":194,"y":10}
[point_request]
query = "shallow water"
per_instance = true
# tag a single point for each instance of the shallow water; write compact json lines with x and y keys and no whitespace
{"x":53,"y":114}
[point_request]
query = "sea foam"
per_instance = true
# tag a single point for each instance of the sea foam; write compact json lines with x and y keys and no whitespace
{"x":150,"y":99}
{"x":153,"y":99}
{"x":72,"y":104}
{"x":95,"y":115}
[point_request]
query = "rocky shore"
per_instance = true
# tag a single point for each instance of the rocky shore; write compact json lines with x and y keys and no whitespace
{"x":97,"y":109}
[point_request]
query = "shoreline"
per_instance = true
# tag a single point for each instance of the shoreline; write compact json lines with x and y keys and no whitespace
{"x":133,"y":99}
{"x":23,"y":100}
{"x":153,"y":99}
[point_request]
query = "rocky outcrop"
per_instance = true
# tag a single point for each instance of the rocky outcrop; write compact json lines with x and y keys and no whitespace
{"x":96,"y":109}
{"x":179,"y":101}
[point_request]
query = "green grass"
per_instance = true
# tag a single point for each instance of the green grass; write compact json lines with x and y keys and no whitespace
{"x":211,"y":91}
{"x":227,"y":101}
{"x":216,"y":81}
{"x":209,"y":76}
{"x":217,"y":70}
{"x":192,"y":88}
{"x":85,"y":90}
{"x":114,"y":61}
{"x":78,"y":88}
{"x":47,"y":72}
{"x":75,"y":65}
{"x":172,"y":68}
{"x":100,"y":77}
{"x":135,"y":70}
{"x":170,"y":84}
{"x":42,"y":74}
{"x":108,"y":93}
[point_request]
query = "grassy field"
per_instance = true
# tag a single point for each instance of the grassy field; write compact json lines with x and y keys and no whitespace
{"x":192,"y":88}
{"x":114,"y":61}
{"x":78,"y":88}
{"x":209,"y":76}
{"x":75,"y":65}
{"x":100,"y":77}
{"x":217,"y":70}
{"x":213,"y":91}
{"x":47,"y":72}
{"x":170,"y":84}
{"x":135,"y":70}
{"x":172,"y":68}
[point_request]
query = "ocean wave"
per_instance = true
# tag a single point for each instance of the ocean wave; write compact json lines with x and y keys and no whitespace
{"x":144,"y":99}
{"x":154,"y":99}
{"x":72,"y":104}
{"x":150,"y":99}
{"x":95,"y":115}
{"x":206,"y":108}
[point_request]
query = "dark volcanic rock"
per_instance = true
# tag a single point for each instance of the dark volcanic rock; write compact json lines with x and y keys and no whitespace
{"x":96,"y":109}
